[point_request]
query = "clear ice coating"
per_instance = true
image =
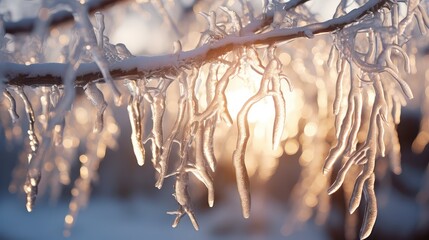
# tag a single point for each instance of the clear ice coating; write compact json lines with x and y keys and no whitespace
{"x":97,"y":99}
{"x":30,"y":188}
{"x":34,"y":142}
{"x":241,"y":60}
{"x":12,"y":105}
{"x":135,"y":116}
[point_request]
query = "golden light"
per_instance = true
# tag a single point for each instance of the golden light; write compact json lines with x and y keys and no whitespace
{"x":84,"y":172}
{"x":64,"y":39}
{"x":310,"y":129}
{"x":291,"y":146}
{"x":83,"y":158}
{"x":261,"y":158}
{"x":69,"y":219}
{"x":82,"y":115}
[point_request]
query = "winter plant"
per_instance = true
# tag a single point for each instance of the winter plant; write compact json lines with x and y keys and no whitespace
{"x":341,"y":81}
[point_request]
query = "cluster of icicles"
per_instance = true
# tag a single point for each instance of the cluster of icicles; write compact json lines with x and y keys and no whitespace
{"x":369,"y":92}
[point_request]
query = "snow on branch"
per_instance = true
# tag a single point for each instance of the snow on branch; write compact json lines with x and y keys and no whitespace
{"x":148,"y":66}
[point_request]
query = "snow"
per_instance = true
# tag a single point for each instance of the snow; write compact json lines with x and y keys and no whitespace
{"x":144,"y":217}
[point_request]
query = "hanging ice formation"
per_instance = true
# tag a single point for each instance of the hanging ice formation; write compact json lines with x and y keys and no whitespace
{"x":368,"y":54}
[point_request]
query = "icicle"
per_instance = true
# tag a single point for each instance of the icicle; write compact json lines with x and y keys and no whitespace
{"x":135,"y":121}
{"x":372,"y":47}
{"x":357,"y":119}
{"x":360,"y":181}
{"x":420,"y":22}
{"x":157,"y":107}
{"x":339,"y":88}
{"x":58,"y":129}
{"x":388,"y":58}
{"x":395,"y":19}
{"x":371,"y":146}
{"x":371,"y":208}
{"x":397,"y":102}
{"x":280,"y":115}
{"x":411,"y":8}
{"x":424,"y":16}
{"x":208,"y":150}
{"x":45,"y":104}
{"x":336,"y":152}
{"x":380,"y":142}
{"x":99,"y":18}
{"x":30,"y":188}
{"x":200,"y":169}
{"x":404,"y":85}
{"x":210,"y":123}
{"x":12,"y":106}
{"x":272,"y":71}
{"x":166,"y":148}
{"x":219,"y":103}
{"x":395,"y":152}
{"x":242,"y":178}
{"x":341,"y":175}
{"x":184,"y":200}
{"x":97,"y":99}
{"x":34,"y":142}
{"x":136,"y":137}
{"x":55,"y":95}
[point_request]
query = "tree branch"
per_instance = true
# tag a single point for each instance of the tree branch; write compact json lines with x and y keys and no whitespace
{"x":267,"y":19}
{"x":27,"y":25}
{"x":153,"y":66}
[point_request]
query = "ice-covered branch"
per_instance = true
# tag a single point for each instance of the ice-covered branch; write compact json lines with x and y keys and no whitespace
{"x":148,"y":66}
{"x":27,"y":25}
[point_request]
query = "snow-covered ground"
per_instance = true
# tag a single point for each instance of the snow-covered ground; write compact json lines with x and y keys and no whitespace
{"x":144,"y":218}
